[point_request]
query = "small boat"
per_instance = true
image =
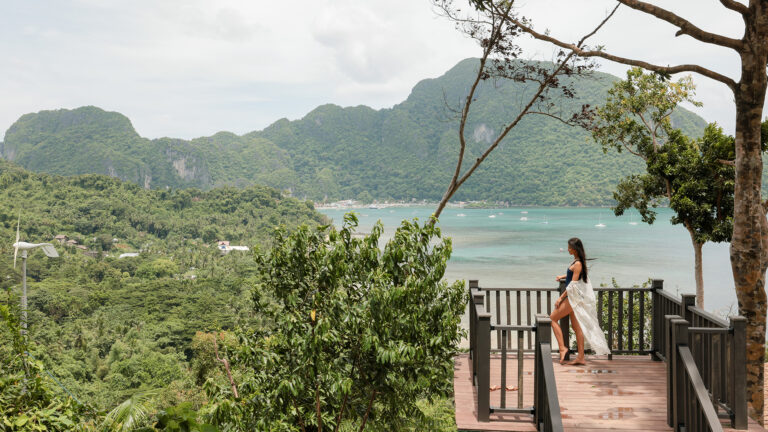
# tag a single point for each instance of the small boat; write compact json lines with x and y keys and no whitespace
{"x":523,"y":218}
{"x":631,"y":220}
{"x":523,"y":212}
{"x":492,"y":216}
{"x":600,"y":223}
{"x":545,"y":220}
{"x":373,"y":207}
{"x":461,"y":215}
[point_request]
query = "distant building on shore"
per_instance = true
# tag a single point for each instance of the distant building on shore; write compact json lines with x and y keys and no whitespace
{"x":225,"y":247}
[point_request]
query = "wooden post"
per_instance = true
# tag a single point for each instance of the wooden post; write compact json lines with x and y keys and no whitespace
{"x":565,"y":326}
{"x":687,"y":300}
{"x":483,"y":366}
{"x":678,"y":336}
{"x":658,"y":320}
{"x":667,"y":323}
{"x":477,"y":305}
{"x":739,"y":326}
{"x":503,"y":389}
{"x":543,"y":335}
{"x":473,"y":285}
{"x":520,"y":358}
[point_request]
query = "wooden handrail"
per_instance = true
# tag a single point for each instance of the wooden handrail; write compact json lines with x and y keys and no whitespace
{"x":716,"y":348}
{"x":699,"y":391}
{"x":546,"y":403}
{"x":689,"y":406}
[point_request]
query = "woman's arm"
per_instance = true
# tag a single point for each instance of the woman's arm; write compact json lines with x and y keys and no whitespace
{"x":576,"y":267}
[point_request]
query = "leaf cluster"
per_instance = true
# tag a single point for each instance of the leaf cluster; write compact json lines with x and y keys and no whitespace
{"x":695,"y":177}
{"x":357,"y":335}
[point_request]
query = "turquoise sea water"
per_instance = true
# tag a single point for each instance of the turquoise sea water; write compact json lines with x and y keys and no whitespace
{"x":509,"y":252}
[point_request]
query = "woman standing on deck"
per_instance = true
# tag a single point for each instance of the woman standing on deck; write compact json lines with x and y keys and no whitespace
{"x":578,"y":301}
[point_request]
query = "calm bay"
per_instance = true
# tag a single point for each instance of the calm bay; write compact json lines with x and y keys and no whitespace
{"x":526,"y":247}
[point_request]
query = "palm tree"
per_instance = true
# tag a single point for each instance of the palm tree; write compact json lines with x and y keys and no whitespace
{"x":129,"y":415}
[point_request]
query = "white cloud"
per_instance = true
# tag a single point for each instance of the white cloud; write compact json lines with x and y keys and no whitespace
{"x":188,"y":68}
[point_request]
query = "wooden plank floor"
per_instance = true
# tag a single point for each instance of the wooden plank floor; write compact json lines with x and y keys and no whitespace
{"x":627,"y":393}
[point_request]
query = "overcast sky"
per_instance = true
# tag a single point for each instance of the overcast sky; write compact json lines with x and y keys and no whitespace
{"x":189,"y":68}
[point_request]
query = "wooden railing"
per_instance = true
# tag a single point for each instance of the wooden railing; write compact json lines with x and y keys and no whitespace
{"x":635,"y":322}
{"x":546,"y":411}
{"x":627,"y":321}
{"x":689,"y":407}
{"x":718,"y":349}
{"x":546,"y":403}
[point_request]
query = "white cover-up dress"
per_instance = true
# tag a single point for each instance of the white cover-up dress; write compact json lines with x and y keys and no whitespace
{"x":582,"y":299}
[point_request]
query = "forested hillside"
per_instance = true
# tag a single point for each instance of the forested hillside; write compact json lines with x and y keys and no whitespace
{"x":405,"y":152}
{"x":107,"y":326}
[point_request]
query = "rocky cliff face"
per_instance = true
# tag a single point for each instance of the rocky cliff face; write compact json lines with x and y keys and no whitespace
{"x":407,"y":151}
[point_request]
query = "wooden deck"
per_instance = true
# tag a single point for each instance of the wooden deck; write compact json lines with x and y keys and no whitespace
{"x":627,"y":393}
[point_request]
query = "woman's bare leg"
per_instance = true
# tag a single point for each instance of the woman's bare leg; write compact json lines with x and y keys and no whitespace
{"x":579,"y":341}
{"x":557,"y":314}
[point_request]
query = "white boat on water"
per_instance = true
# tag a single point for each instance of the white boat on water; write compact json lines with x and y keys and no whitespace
{"x":492,"y":216}
{"x":545,"y":222}
{"x":632,"y":220}
{"x":461,"y":215}
{"x":523,"y":218}
{"x":600,"y":223}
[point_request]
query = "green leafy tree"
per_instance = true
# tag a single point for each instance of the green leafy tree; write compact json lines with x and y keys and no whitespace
{"x":131,"y":414}
{"x":357,"y":336}
{"x":27,"y":402}
{"x":695,"y":177}
{"x":181,"y":418}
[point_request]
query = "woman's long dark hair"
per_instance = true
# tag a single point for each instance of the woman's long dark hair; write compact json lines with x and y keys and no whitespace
{"x":575,"y":244}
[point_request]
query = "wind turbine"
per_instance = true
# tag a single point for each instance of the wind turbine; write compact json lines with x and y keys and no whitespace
{"x":24,"y":247}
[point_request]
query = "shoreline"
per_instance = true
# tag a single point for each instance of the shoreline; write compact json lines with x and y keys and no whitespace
{"x":470,"y":205}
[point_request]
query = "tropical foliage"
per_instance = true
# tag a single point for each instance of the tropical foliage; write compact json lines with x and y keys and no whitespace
{"x":352,"y":335}
{"x":695,"y":177}
{"x":404,"y":152}
{"x":107,"y":327}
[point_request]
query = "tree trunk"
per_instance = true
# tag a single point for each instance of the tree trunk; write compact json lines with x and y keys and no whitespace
{"x":698,"y":271}
{"x":749,"y":244}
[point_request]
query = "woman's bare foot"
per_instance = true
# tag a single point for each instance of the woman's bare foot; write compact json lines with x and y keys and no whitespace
{"x":494,"y":388}
{"x":511,"y":388}
{"x":577,"y":362}
{"x":563,"y":353}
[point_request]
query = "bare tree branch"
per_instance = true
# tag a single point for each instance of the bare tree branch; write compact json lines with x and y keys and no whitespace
{"x":652,"y":131}
{"x":298,"y":416}
{"x":487,"y":49}
{"x":623,"y":60}
{"x":548,"y":81}
{"x":226,"y":366}
{"x":367,"y":411}
{"x":686,"y":27}
{"x":735,"y":6}
{"x":514,"y":123}
{"x":556,"y":117}
{"x":629,"y":149}
{"x":727,"y":162}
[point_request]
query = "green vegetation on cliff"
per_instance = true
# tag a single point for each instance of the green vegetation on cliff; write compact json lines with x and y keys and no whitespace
{"x":407,"y":151}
